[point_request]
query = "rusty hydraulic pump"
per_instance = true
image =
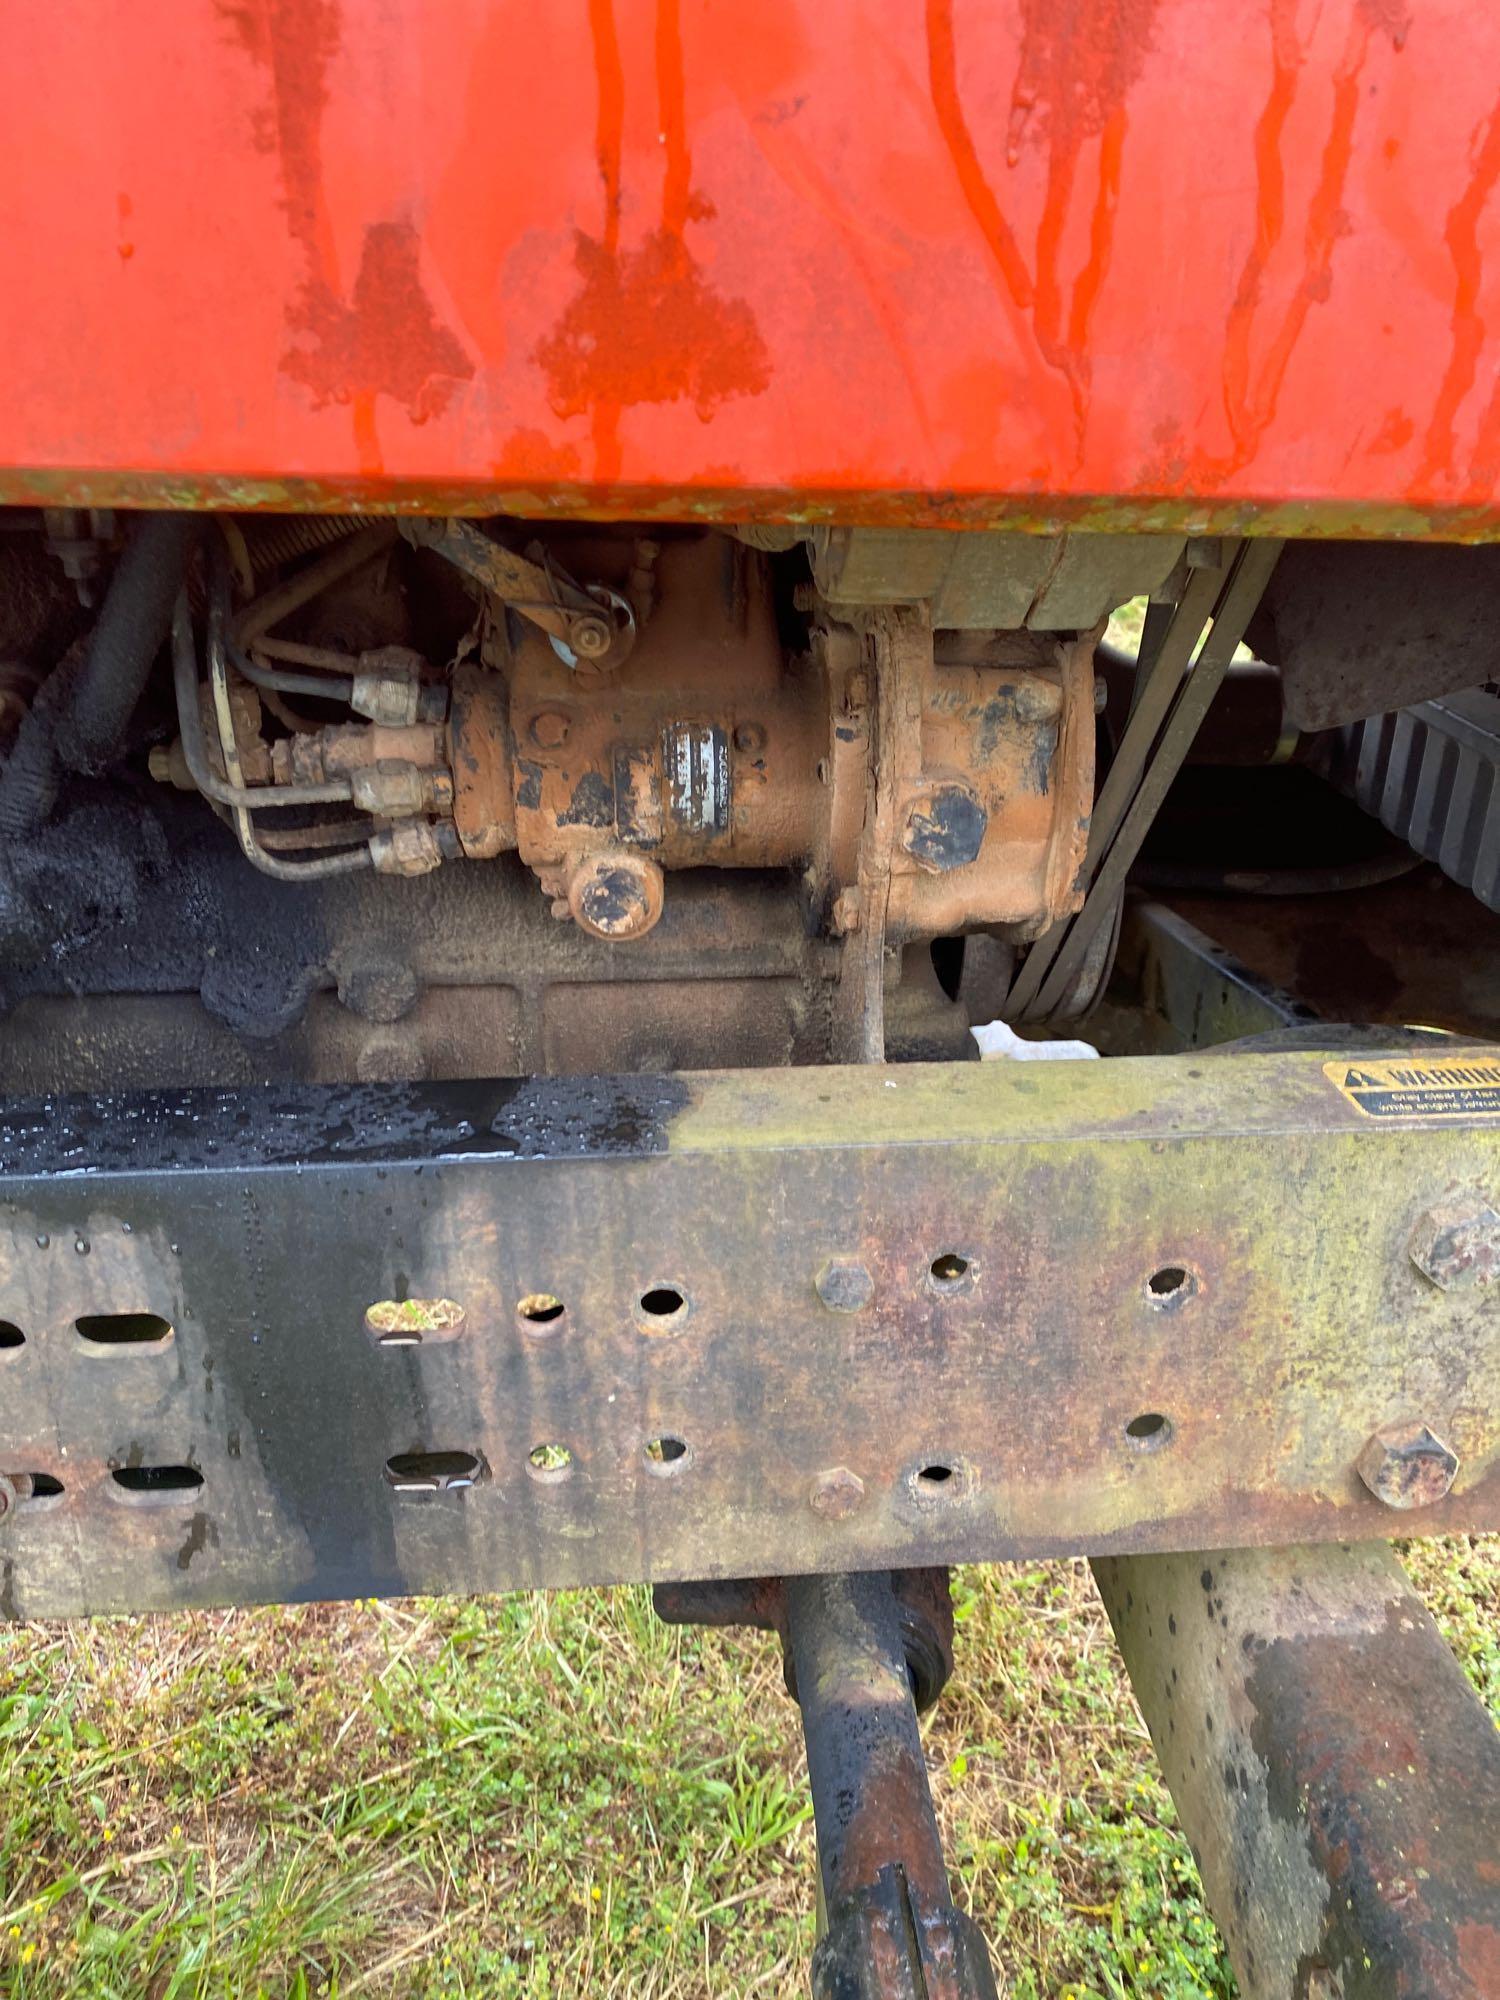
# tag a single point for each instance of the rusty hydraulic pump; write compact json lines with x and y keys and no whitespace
{"x":920,"y":782}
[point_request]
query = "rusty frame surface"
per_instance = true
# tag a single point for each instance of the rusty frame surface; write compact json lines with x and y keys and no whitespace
{"x":937,"y":1280}
{"x":1337,"y":1775}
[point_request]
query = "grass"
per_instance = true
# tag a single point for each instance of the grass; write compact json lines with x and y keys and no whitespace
{"x":560,"y":1796}
{"x":1128,"y":622}
{"x":414,"y":1316}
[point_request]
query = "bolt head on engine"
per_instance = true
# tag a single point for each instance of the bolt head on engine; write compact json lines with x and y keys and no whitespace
{"x":616,"y":895}
{"x":945,"y":828}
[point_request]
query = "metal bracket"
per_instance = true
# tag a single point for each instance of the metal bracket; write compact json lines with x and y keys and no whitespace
{"x":591,"y":626}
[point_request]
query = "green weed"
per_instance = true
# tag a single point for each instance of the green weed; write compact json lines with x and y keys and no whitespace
{"x":534,"y":1797}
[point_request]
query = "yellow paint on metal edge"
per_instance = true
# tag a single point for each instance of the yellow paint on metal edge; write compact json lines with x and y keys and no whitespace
{"x":1464,"y":1086}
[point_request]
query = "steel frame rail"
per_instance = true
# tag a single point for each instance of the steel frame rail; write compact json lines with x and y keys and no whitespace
{"x":738,"y":1324}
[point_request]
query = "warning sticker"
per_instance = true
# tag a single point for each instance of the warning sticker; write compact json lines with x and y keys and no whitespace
{"x":1419,"y":1086}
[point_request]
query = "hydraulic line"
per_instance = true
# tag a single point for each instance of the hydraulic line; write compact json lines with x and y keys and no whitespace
{"x":322,"y":687}
{"x":239,"y":797}
{"x":333,"y":791}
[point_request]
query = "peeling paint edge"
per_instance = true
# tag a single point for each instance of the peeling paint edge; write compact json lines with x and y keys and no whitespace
{"x":1017,"y":513}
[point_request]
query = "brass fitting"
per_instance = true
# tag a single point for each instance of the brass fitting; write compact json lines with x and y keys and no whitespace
{"x":388,"y":688}
{"x":395,"y":789}
{"x":414,"y":847}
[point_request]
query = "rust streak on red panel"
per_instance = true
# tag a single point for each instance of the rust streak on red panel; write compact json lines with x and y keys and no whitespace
{"x":1317,"y":213}
{"x":1101,"y":236}
{"x":384,"y":338}
{"x":609,"y":132}
{"x":1484,"y":471}
{"x":645,"y":326}
{"x":1327,"y":222}
{"x":1251,"y":396}
{"x":1270,"y":216}
{"x":295,"y":40}
{"x":1079,"y":61}
{"x":979,"y":196}
{"x":1462,"y":237}
{"x":671,"y":90}
{"x":608,"y":145}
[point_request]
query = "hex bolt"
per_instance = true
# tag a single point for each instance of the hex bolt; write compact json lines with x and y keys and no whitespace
{"x":836,"y":1493}
{"x":381,"y":990}
{"x":945,"y":828}
{"x":848,"y":912}
{"x":549,"y":729}
{"x":590,"y":637}
{"x":1457,"y":1242}
{"x":1407,"y":1465}
{"x":844,"y":1285}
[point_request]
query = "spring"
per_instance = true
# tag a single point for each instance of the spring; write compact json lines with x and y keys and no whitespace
{"x":273,"y":539}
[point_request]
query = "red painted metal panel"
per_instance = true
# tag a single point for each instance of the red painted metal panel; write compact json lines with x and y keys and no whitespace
{"x":949,"y":260}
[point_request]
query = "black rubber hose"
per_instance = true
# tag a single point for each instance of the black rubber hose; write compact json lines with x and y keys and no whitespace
{"x":28,"y":779}
{"x":133,"y":624}
{"x":79,"y":715}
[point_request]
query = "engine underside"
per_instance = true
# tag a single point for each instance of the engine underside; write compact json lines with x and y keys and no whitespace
{"x":332,"y":799}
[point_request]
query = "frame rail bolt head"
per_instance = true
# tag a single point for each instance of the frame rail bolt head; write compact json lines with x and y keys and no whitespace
{"x":844,"y":1285}
{"x":1457,"y":1242}
{"x":837,"y":1493}
{"x":1407,"y":1465}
